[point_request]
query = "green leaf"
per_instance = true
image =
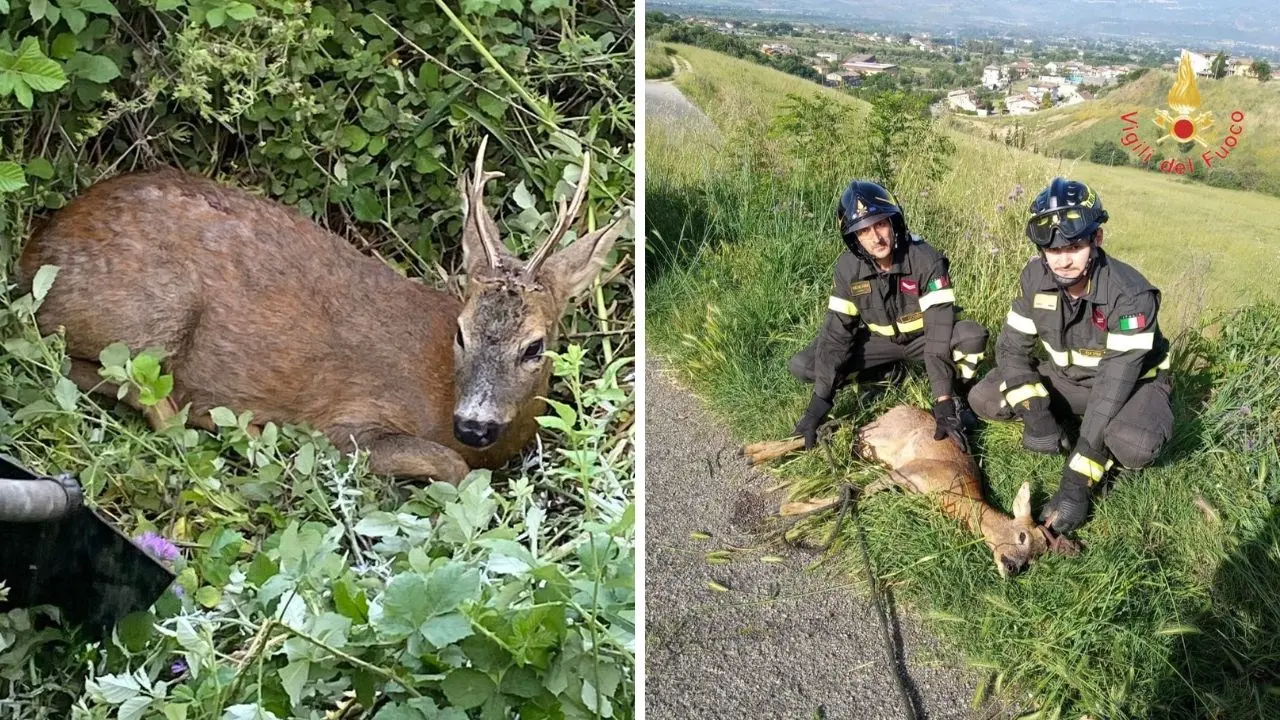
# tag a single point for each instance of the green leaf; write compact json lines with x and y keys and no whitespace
{"x":294,"y":678}
{"x":39,"y":167}
{"x":522,"y":682}
{"x":135,"y":629}
{"x":353,"y":138}
{"x":367,"y":206}
{"x":76,"y":20}
{"x":43,"y":281}
{"x":241,"y":11}
{"x":377,"y":144}
{"x":99,"y":7}
{"x":248,"y":712}
{"x":165,"y":5}
{"x":11,"y":177}
{"x":524,"y":200}
{"x":134,"y":708}
{"x":350,"y":601}
{"x":446,"y":629}
{"x":222,"y":417}
{"x":176,"y":712}
{"x":114,"y":355}
{"x":66,"y":393}
{"x":216,"y":17}
{"x":305,"y":460}
{"x":32,"y":68}
{"x":94,"y":68}
{"x":451,"y":585}
{"x":491,"y":105}
{"x":146,"y":368}
{"x":208,"y":596}
{"x":467,"y":688}
{"x":405,"y":605}
{"x":37,"y":8}
{"x":596,"y":702}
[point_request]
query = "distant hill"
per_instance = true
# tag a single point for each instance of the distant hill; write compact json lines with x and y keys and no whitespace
{"x":1073,"y":131}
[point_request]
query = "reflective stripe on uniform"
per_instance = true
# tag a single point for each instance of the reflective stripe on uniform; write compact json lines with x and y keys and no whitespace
{"x":1079,"y":358}
{"x":1124,"y":343}
{"x":882,"y":329}
{"x":1025,"y":392}
{"x":1061,"y":358}
{"x":966,"y":371}
{"x":1021,"y":323}
{"x":841,"y":305}
{"x":912,"y":326}
{"x":974,"y":358}
{"x":937,"y":297}
{"x":1086,"y":467}
{"x":1164,"y":365}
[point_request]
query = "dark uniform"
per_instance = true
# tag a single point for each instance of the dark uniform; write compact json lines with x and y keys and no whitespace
{"x":1107,"y":361}
{"x":904,"y":313}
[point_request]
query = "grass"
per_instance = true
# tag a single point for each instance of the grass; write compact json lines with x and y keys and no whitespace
{"x":657,"y":64}
{"x":1074,"y":129}
{"x":1169,"y":612}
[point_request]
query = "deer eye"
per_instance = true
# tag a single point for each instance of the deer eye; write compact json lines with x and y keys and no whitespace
{"x":458,"y":338}
{"x":533,"y":350}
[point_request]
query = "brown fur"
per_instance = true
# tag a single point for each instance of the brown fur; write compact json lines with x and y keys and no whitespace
{"x":259,"y":309}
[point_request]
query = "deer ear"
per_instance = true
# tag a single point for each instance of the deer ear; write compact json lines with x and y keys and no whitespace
{"x":474,"y":256}
{"x":573,"y":269}
{"x":1022,"y":503}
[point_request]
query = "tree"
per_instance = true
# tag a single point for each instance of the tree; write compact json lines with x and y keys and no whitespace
{"x":1262,"y":69}
{"x":1108,"y":152}
{"x":1218,"y":68}
{"x":1046,"y":101}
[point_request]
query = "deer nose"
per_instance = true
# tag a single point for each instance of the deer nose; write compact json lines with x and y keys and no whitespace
{"x":1011,"y":566}
{"x":477,"y":433}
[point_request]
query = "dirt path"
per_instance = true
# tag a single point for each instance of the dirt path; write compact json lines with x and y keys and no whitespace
{"x":779,"y":642}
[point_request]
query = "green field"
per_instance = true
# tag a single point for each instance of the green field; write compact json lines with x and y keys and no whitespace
{"x":1169,"y":612}
{"x":1074,"y":129}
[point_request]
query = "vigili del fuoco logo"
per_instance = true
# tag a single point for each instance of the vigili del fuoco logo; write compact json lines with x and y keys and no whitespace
{"x":1186,"y":125}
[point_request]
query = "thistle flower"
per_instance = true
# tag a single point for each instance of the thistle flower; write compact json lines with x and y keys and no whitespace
{"x":158,"y":547}
{"x":177,"y":668}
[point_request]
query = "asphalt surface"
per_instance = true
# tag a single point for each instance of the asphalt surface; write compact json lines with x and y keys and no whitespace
{"x":780,"y":641}
{"x":664,"y":103}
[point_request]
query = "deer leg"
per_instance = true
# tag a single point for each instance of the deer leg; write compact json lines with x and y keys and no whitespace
{"x":408,"y":456}
{"x":85,"y":375}
{"x":760,"y":452}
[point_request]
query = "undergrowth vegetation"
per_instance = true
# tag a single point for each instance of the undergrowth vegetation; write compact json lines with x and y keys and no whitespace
{"x":308,"y":587}
{"x":1169,"y":612}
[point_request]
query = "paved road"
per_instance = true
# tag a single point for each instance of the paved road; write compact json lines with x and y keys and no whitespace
{"x":781,"y":642}
{"x":664,"y":103}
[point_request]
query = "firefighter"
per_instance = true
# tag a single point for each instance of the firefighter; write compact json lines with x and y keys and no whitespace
{"x":892,"y":301}
{"x":1097,"y":318}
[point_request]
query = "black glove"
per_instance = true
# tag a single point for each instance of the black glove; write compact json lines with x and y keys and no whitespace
{"x":949,"y":424}
{"x":1069,"y":506}
{"x":813,"y":417}
{"x":1040,"y":432}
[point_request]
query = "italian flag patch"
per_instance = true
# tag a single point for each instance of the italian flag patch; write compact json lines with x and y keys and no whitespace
{"x":939,"y":283}
{"x":1133,"y":322}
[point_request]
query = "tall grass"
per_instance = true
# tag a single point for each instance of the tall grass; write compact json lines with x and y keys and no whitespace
{"x":1168,"y":613}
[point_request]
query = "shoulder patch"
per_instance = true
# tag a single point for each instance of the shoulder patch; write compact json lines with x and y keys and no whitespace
{"x":909,"y":287}
{"x":862,"y":287}
{"x":1136,"y":321}
{"x":941,"y":282}
{"x":1045,"y":301}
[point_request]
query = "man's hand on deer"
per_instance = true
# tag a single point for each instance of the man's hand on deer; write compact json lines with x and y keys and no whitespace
{"x":1069,"y":506}
{"x":808,"y":426}
{"x":949,"y":423}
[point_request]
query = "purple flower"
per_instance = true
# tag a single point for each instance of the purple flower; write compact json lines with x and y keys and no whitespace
{"x":159,"y":547}
{"x":1000,"y":208}
{"x":178,"y":668}
{"x":1246,"y":411}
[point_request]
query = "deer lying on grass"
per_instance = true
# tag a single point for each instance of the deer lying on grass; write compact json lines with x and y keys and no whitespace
{"x":902,"y":440}
{"x":257,"y":308}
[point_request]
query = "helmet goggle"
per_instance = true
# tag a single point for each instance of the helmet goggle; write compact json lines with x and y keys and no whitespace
{"x":1072,"y":224}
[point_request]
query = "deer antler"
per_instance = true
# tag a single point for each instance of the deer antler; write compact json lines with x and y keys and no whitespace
{"x":475,"y":206}
{"x":564,"y":218}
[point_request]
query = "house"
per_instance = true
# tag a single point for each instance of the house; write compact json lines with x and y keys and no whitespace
{"x":1051,"y":68}
{"x":833,"y":79}
{"x":1039,"y":91}
{"x":777,"y":49}
{"x":870,"y":68}
{"x":1241,"y":67}
{"x":962,"y":100}
{"x":993,"y":78}
{"x":861,"y":58}
{"x":828,"y":57}
{"x":1020,"y":105}
{"x":1022,"y":69}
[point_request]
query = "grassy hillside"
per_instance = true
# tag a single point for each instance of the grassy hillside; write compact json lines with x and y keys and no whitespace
{"x":1169,"y":612}
{"x":1255,"y":162}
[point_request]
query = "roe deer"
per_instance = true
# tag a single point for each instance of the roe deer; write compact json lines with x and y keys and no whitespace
{"x":902,"y":440}
{"x":257,"y":308}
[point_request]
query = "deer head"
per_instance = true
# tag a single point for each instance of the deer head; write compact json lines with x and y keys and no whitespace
{"x":512,"y":308}
{"x":1014,"y":541}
